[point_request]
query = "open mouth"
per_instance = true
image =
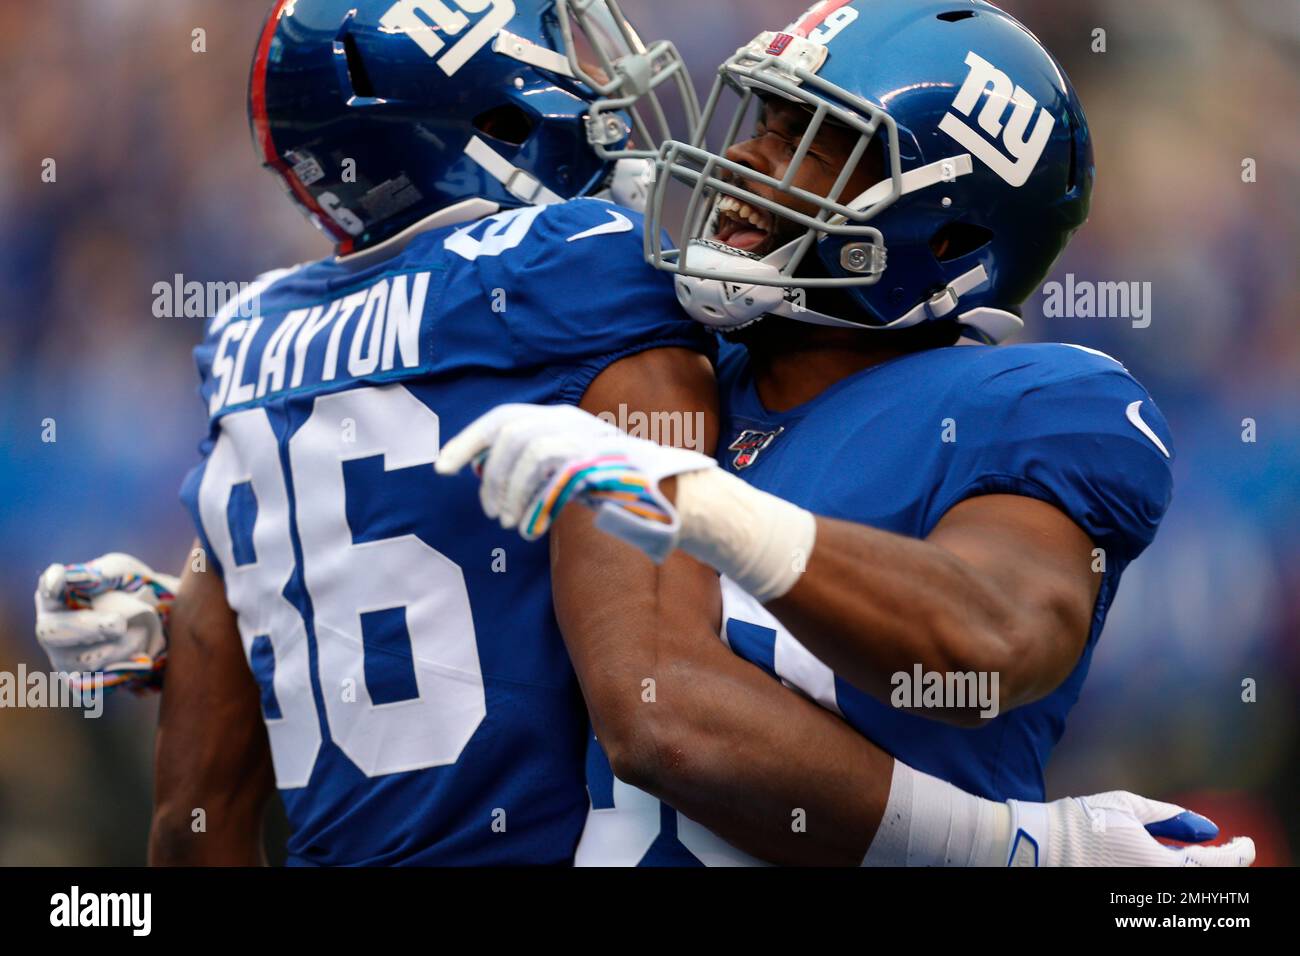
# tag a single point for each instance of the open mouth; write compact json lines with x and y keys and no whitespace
{"x":741,"y":226}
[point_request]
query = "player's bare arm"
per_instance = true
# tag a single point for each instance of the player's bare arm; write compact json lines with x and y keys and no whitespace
{"x":679,"y":714}
{"x":1003,"y":585}
{"x":212,"y":764}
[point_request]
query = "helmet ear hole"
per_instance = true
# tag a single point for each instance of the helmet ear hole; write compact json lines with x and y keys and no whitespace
{"x":357,"y":73}
{"x":957,"y":239}
{"x":952,"y":16}
{"x":506,"y":123}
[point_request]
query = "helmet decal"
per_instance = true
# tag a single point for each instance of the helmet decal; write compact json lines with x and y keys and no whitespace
{"x":428,"y":21}
{"x":1025,"y":150}
{"x":825,"y":21}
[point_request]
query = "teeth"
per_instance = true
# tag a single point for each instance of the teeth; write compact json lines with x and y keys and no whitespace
{"x":743,"y":211}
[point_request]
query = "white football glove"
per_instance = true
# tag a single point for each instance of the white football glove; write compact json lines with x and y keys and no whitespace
{"x":930,"y":822}
{"x":535,"y":459}
{"x":1117,"y":829}
{"x":108,"y":615}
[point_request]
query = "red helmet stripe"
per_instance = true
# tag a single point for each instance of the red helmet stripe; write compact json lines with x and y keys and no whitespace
{"x":817,"y":16}
{"x":262,"y":133}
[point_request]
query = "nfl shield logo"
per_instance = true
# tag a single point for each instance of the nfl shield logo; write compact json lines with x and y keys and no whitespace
{"x":748,"y":445}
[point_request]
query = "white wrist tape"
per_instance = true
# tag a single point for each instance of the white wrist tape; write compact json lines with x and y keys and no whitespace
{"x":1031,"y":825}
{"x":760,"y":541}
{"x":929,"y":822}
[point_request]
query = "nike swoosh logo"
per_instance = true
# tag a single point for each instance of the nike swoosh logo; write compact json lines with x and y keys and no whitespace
{"x":1134,"y":415}
{"x":620,"y":223}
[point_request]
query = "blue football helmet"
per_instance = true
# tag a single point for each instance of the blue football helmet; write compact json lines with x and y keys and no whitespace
{"x":986,"y":172}
{"x":378,"y":114}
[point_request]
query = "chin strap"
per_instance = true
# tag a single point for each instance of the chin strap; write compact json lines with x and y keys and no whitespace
{"x":519,"y":183}
{"x":736,"y":300}
{"x":993,"y":323}
{"x":943,"y":303}
{"x":791,"y":310}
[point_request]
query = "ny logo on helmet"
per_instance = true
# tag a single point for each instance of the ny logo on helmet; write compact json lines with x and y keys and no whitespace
{"x":1025,"y":150}
{"x":427,"y":21}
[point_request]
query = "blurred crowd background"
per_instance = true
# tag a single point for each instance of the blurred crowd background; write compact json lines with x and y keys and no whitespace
{"x":156,"y":175}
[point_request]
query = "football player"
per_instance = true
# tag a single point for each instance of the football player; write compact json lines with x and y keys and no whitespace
{"x":361,"y":637}
{"x":890,"y":505}
{"x":405,"y":661}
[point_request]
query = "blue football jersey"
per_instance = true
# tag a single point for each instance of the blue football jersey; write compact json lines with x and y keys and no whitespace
{"x":895,"y":447}
{"x":417,"y":695}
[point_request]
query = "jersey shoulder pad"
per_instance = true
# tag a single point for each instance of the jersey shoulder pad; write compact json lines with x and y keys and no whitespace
{"x":586,"y":244}
{"x":580,"y":220}
{"x":552,"y":237}
{"x":570,"y":283}
{"x":1071,"y":426}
